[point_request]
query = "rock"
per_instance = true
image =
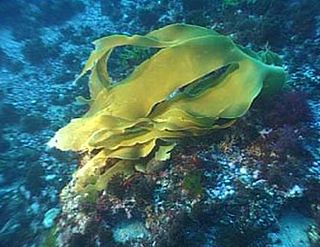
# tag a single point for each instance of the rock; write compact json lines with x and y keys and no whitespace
{"x":50,"y":177}
{"x":35,"y":208}
{"x":33,"y":123}
{"x":293,"y":230}
{"x":129,"y":231}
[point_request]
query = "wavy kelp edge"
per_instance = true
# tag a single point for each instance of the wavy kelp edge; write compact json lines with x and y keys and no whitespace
{"x":167,"y":97}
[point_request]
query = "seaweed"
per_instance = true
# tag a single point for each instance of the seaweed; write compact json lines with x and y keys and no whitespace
{"x":290,"y":108}
{"x":205,"y":82}
{"x":192,"y":183}
{"x":50,"y":238}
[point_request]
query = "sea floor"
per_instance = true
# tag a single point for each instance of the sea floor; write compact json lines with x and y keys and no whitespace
{"x":260,"y":179}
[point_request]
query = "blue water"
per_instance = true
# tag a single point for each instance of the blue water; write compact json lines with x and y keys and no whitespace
{"x":257,"y":177}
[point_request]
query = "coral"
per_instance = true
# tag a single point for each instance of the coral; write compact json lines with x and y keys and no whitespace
{"x":198,"y":81}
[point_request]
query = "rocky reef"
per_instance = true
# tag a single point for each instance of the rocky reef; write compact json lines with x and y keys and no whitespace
{"x":214,"y":191}
{"x":255,"y":183}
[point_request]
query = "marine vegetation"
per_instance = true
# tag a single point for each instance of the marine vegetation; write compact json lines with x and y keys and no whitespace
{"x":192,"y":183}
{"x":198,"y":81}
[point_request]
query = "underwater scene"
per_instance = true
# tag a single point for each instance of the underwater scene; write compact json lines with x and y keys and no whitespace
{"x":168,"y":123}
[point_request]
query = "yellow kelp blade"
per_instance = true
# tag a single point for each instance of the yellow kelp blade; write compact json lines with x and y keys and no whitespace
{"x":196,"y":79}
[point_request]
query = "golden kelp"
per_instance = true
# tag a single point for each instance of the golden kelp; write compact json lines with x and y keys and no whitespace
{"x":199,"y":80}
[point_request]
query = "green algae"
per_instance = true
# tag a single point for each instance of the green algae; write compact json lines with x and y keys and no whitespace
{"x":51,"y":238}
{"x":192,"y":183}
